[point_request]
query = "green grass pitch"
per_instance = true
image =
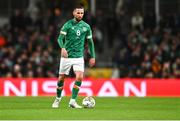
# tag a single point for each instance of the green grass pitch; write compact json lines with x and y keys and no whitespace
{"x":107,"y":108}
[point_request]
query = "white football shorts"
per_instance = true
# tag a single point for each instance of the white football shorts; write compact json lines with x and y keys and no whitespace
{"x":67,"y":63}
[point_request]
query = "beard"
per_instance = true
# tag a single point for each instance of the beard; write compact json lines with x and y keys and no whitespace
{"x":78,"y":19}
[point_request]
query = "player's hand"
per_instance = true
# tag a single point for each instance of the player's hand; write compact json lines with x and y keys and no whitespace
{"x":64,"y":53}
{"x":92,"y":62}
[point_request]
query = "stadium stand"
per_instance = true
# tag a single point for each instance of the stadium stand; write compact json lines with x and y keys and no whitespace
{"x":132,"y":43}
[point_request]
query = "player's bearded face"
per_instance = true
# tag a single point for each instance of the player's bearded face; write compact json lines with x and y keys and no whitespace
{"x":78,"y":13}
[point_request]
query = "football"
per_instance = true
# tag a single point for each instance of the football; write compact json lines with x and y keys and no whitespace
{"x":88,"y":102}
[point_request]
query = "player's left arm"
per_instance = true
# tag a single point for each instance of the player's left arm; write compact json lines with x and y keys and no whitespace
{"x":91,"y":48}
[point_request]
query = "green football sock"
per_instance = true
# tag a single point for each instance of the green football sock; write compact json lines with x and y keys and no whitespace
{"x":76,"y":90}
{"x":60,"y":88}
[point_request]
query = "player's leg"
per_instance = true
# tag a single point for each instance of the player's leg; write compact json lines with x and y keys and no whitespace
{"x":60,"y":84}
{"x":78,"y":68}
{"x":75,"y":90}
{"x":77,"y":84}
{"x":64,"y":69}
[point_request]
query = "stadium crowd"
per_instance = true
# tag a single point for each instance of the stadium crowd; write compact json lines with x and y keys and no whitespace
{"x":136,"y":45}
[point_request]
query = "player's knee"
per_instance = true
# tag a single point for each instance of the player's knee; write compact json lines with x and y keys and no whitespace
{"x":79,"y":77}
{"x":61,"y":77}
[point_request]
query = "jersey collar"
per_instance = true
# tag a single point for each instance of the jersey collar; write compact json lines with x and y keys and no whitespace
{"x":74,"y":21}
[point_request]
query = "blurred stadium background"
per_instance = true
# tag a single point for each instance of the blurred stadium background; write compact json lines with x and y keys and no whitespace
{"x":133,"y":38}
{"x":137,"y":46}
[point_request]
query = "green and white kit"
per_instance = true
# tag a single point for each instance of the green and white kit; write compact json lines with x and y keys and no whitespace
{"x":72,"y":37}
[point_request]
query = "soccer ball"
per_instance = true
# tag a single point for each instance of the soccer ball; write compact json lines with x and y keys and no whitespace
{"x":88,"y":102}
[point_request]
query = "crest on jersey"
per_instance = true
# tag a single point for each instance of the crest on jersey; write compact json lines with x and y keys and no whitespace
{"x":84,"y":29}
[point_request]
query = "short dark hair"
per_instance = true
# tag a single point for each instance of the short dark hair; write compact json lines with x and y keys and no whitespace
{"x":78,"y":6}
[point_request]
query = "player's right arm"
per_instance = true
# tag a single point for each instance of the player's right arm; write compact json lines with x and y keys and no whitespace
{"x":61,"y":39}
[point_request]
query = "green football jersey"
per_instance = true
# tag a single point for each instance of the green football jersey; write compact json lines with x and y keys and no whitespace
{"x":75,"y":35}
